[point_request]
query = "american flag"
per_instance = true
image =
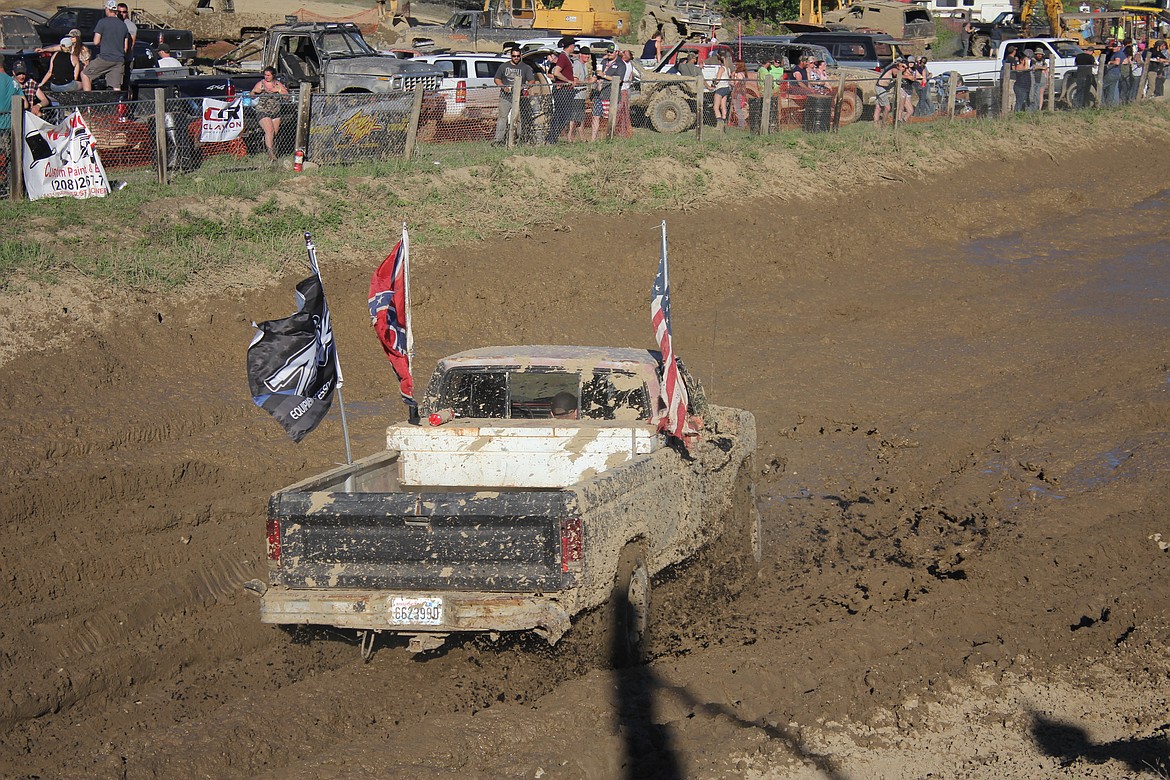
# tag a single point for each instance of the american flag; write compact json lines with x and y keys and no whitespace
{"x":674,"y":392}
{"x":390,"y":316}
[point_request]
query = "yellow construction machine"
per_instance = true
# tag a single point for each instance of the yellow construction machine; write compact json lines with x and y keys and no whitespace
{"x":595,"y":18}
{"x":1054,"y":9}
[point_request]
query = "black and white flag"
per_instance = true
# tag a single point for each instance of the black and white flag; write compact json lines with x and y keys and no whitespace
{"x":292,"y":363}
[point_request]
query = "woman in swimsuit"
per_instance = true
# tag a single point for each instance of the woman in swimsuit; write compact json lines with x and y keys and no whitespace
{"x":269,"y":94}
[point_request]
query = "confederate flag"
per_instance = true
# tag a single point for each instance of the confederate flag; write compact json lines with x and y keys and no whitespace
{"x":390,"y":315}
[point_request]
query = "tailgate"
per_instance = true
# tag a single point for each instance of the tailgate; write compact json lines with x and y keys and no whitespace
{"x":495,"y":541}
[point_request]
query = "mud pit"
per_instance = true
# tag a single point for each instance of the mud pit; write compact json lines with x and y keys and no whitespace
{"x":961,"y":473}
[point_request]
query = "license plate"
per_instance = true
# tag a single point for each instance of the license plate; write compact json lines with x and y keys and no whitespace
{"x":425,"y":611}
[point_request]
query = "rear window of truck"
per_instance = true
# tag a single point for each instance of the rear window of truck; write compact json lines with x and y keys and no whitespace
{"x":532,"y":394}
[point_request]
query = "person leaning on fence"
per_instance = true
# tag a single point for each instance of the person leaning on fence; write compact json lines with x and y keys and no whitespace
{"x":1114,"y":59}
{"x":112,"y":39}
{"x":611,"y":70}
{"x":1085,"y":64}
{"x":883,"y":92}
{"x":722,"y":90}
{"x":1039,"y":81}
{"x":1137,"y":54}
{"x":582,"y":67}
{"x":1159,"y":58}
{"x":562,"y":79}
{"x":623,"y":127}
{"x":1022,"y":79}
{"x":505,"y":78}
{"x":64,"y":73}
{"x":34,"y":96}
{"x":270,"y":95}
{"x":921,"y":76}
{"x":739,"y":95}
{"x":8,"y":90}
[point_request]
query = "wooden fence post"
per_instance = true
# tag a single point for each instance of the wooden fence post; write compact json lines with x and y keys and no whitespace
{"x":1101,"y":81}
{"x":1145,"y":79}
{"x":160,"y":134}
{"x":16,"y":150}
{"x":615,"y":95}
{"x":897,"y":101}
{"x":837,"y":102}
{"x":700,"y":101}
{"x":1005,"y":87}
{"x":304,"y":104}
{"x":1052,"y":87}
{"x":766,"y":106}
{"x":514,"y":111}
{"x":412,"y":125}
{"x":952,"y":90}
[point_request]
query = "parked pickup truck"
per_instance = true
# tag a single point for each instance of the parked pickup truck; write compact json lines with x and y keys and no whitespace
{"x":983,"y":71}
{"x":332,"y":57}
{"x":68,"y":17}
{"x":549,"y":493}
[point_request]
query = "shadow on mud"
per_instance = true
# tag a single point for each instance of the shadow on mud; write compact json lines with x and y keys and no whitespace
{"x":1069,"y":743}
{"x":647,"y":744}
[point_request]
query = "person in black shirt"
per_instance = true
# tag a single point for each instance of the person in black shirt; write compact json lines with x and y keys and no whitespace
{"x":1085,"y":62}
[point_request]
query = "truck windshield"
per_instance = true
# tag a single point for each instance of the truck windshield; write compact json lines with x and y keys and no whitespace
{"x":342,"y":43}
{"x":535,"y":394}
{"x":1066,"y":49}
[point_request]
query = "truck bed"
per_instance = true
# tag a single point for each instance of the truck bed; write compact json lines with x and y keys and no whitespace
{"x":357,"y":527}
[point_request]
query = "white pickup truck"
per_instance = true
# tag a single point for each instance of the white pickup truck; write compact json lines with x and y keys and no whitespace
{"x":545,"y":490}
{"x":984,"y":71}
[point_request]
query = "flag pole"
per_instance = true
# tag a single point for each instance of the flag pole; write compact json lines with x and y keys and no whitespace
{"x":312,"y":250}
{"x":406,"y":298}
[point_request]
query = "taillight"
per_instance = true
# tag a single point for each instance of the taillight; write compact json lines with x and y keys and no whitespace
{"x":273,"y":539}
{"x":572,"y":545}
{"x":877,"y":69}
{"x":461,"y":92}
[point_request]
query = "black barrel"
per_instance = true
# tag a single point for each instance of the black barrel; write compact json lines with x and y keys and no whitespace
{"x":983,"y":100}
{"x":818,"y":114}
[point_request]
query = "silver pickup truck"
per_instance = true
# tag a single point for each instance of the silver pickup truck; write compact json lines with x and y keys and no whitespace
{"x":545,"y":490}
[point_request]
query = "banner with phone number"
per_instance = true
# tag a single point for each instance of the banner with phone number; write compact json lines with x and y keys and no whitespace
{"x":61,"y":161}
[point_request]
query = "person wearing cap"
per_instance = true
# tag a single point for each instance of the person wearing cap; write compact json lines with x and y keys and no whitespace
{"x":165,"y":60}
{"x":34,"y":96}
{"x":505,"y":78}
{"x":582,"y":75}
{"x":772,"y":67}
{"x":687,"y":65}
{"x":1115,"y":60}
{"x":112,"y":39}
{"x":1039,"y":80}
{"x":611,"y":70}
{"x":563,"y":83}
{"x":64,"y":73}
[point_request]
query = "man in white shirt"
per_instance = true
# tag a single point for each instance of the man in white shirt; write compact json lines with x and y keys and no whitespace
{"x":165,"y":60}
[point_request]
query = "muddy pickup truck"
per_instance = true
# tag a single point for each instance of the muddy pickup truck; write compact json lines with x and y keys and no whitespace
{"x":546,"y":491}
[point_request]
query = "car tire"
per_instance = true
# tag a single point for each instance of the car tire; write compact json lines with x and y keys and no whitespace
{"x":670,"y":113}
{"x":852,"y":107}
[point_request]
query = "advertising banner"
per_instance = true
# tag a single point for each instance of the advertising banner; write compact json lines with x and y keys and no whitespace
{"x":223,"y":120}
{"x":61,"y":161}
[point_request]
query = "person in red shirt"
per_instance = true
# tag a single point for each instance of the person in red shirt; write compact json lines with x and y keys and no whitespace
{"x":563,"y":82}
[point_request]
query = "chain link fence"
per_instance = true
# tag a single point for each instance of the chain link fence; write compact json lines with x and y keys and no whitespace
{"x":152,"y":133}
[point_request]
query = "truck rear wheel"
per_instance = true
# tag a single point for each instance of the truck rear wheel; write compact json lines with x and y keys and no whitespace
{"x":629,"y":609}
{"x":669,"y":113}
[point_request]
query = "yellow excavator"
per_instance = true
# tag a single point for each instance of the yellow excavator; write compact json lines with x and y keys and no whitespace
{"x":1054,"y":9}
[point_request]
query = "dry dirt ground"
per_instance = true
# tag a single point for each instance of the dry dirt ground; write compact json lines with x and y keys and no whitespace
{"x":961,"y":387}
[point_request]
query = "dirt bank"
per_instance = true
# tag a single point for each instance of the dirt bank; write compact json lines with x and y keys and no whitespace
{"x":961,"y":388}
